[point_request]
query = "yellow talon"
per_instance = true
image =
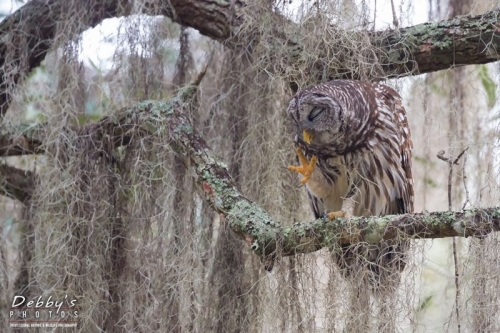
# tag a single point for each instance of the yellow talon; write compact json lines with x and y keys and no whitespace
{"x":334,"y":215}
{"x":306,"y":168}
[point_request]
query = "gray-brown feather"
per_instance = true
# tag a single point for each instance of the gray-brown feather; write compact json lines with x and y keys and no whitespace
{"x":362,"y":141}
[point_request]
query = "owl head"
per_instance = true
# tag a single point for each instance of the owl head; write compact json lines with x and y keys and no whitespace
{"x":319,"y":121}
{"x":331,"y":118}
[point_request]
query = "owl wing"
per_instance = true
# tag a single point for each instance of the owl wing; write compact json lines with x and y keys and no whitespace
{"x":404,"y":202}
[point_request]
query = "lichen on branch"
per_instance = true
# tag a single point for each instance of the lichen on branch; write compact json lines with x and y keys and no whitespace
{"x":268,"y":237}
{"x":414,"y":50}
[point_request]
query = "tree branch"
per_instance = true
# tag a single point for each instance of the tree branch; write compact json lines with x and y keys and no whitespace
{"x":28,"y":34}
{"x":16,"y":183}
{"x":268,"y":237}
{"x":430,"y":47}
{"x":22,"y":140}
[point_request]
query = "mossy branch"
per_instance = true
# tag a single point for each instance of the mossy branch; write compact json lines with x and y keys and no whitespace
{"x":29,"y":34}
{"x":434,"y":46}
{"x":267,"y":237}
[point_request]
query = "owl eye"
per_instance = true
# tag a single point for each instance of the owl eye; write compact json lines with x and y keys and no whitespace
{"x":315,"y":113}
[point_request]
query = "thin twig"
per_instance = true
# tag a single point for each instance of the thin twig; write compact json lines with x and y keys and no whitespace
{"x":457,"y":285}
{"x":450,"y":176}
{"x":464,"y":179}
{"x":459,"y":156}
{"x":451,"y":162}
{"x":394,"y":16}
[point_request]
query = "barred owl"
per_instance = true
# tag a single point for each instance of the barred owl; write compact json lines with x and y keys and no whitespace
{"x":353,"y":141}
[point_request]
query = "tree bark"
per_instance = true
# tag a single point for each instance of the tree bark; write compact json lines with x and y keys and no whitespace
{"x":16,"y":183}
{"x":267,"y":237}
{"x":28,"y":34}
{"x":23,"y":141}
{"x":430,"y":47}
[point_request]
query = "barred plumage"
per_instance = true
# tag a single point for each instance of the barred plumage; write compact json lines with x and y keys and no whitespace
{"x":359,"y":133}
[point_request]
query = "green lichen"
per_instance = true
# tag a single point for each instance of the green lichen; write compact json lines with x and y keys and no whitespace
{"x":162,"y":109}
{"x":442,"y":42}
{"x":249,"y":217}
{"x":141,"y":106}
{"x":375,"y":230}
{"x":187,"y":92}
{"x":183,"y":128}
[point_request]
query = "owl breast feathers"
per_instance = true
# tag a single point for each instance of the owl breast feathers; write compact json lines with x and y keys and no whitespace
{"x":359,"y":134}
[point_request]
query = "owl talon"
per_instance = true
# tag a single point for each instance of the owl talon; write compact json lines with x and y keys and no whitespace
{"x":306,"y":168}
{"x":340,"y":213}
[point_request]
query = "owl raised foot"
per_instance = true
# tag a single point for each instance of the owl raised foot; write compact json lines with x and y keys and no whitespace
{"x":306,"y":168}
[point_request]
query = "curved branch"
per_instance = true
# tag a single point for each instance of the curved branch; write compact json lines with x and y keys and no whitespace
{"x":267,"y":237}
{"x":30,"y":32}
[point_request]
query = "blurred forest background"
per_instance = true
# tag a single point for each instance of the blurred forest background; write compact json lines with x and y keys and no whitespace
{"x":135,"y":243}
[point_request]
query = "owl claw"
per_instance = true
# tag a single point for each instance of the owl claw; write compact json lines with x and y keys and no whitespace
{"x":340,"y":213}
{"x":306,"y":168}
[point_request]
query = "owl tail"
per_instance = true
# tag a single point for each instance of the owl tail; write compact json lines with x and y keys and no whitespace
{"x":380,"y":265}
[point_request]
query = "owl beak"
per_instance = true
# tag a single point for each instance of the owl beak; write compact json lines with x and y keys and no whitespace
{"x":308,"y":137}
